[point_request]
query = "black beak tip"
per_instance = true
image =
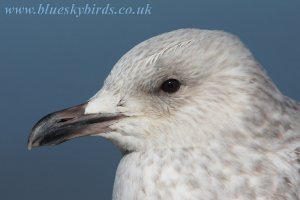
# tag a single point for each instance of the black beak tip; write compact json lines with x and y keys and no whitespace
{"x":32,"y":142}
{"x":29,"y":146}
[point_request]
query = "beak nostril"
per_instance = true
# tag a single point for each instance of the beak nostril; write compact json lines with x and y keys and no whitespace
{"x":64,"y":120}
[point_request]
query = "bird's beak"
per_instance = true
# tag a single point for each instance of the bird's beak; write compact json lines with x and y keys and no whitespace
{"x":69,"y":123}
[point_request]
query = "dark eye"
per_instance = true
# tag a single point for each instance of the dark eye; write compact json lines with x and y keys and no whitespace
{"x":170,"y":86}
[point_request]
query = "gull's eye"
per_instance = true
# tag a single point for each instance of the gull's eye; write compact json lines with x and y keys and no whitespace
{"x":170,"y":86}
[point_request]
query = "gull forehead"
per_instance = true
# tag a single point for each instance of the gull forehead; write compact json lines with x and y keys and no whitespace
{"x":184,"y":47}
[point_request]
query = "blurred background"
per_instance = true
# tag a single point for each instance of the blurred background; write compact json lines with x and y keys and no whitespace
{"x":49,"y":62}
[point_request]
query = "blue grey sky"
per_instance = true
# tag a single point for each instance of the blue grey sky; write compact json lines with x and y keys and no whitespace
{"x":49,"y":62}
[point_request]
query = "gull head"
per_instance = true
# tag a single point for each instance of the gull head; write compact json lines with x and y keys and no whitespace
{"x":179,"y":89}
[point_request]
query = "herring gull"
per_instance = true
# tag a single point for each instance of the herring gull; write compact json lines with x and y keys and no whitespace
{"x":195,"y":116}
